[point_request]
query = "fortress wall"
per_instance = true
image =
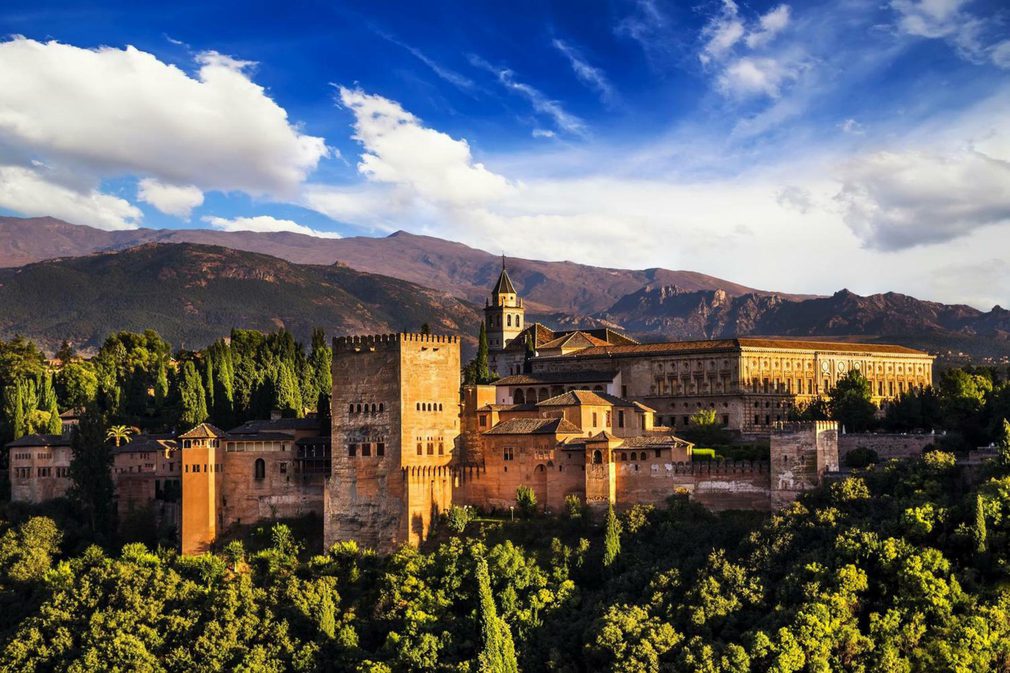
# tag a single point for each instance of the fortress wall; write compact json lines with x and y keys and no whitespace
{"x":718,"y":485}
{"x":886,"y":445}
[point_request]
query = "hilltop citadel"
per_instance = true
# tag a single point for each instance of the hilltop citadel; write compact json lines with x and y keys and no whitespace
{"x":586,"y":413}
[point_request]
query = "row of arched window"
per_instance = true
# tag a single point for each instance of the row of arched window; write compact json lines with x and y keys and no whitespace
{"x":510,"y":320}
{"x":429,"y":406}
{"x":637,"y":456}
{"x":430,"y":448}
{"x":366,"y":408}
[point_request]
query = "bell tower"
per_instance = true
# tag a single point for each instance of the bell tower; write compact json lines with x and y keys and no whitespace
{"x":504,"y":315}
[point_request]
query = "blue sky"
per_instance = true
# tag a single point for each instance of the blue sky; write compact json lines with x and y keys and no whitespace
{"x":796,"y":146}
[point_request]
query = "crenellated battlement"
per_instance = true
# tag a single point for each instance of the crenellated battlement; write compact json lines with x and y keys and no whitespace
{"x":720,"y":467}
{"x":374,"y":342}
{"x":793,"y":427}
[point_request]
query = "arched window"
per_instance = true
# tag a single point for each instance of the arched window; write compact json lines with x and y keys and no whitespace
{"x":508,"y":320}
{"x":418,"y":406}
{"x":381,"y":407}
{"x":260,"y":469}
{"x":519,"y":319}
{"x":518,"y":397}
{"x":351,"y":410}
{"x":359,"y":408}
{"x":597,"y":457}
{"x":440,"y":406}
{"x":373,"y":408}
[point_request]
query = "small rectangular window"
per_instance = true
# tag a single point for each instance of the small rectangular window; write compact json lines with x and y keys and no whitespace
{"x":620,"y":419}
{"x":366,"y":449}
{"x":380,"y":449}
{"x":352,"y":450}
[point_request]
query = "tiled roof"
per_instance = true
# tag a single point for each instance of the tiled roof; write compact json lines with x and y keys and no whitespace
{"x":653,"y":440}
{"x":39,"y":440}
{"x":202,"y":431}
{"x":597,"y":376}
{"x":604,"y":437}
{"x":579,"y":397}
{"x":536,"y":331}
{"x":735,"y":345}
{"x":276,"y":424}
{"x":504,"y":284}
{"x":576,"y":338}
{"x":259,"y":437}
{"x":534,"y":426}
{"x":143,"y":443}
{"x":508,"y":407}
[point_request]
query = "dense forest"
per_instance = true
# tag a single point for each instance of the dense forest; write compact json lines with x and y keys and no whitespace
{"x":898,"y":567}
{"x":137,"y":380}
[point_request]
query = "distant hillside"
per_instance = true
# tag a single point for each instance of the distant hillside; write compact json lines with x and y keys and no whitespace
{"x":667,"y":312}
{"x":193,"y":294}
{"x":464,"y":272}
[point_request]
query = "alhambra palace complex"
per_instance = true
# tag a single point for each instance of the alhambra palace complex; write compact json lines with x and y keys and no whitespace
{"x":588,"y":413}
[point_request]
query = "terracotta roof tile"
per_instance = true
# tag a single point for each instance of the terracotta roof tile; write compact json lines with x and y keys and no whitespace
{"x":534,"y":426}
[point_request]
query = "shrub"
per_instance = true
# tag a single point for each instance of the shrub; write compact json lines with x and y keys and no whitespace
{"x":526,"y":500}
{"x":458,"y":517}
{"x":574,"y":507}
{"x":703,"y":454}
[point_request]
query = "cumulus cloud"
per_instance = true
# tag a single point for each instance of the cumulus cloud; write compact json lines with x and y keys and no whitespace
{"x":540,"y":102}
{"x":264,"y":224}
{"x":895,"y":200}
{"x":589,"y":75}
{"x":170,"y":199}
{"x":401,"y":151}
{"x":852,"y":127}
{"x":753,"y":76}
{"x":34,"y":193}
{"x":124,"y":111}
{"x":107,"y":113}
{"x":755,"y":72}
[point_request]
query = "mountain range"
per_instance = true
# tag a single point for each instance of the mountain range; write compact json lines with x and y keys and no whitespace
{"x":70,"y":281}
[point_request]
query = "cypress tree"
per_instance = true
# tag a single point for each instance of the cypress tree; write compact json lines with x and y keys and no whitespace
{"x":208,"y":381}
{"x":483,"y":373}
{"x":289,"y":398}
{"x":91,"y":473}
{"x":321,"y":359}
{"x":54,"y":426}
{"x":161,"y":384}
{"x":611,"y":538}
{"x":980,"y":529}
{"x":15,"y":410}
{"x":192,"y":398}
{"x":498,"y":654}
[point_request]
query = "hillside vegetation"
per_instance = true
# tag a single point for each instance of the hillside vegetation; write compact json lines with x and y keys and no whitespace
{"x":899,"y":568}
{"x":193,"y":294}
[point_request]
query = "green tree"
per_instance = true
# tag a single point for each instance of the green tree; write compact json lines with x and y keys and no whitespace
{"x":91,"y":473}
{"x":980,"y":528}
{"x":611,"y":538}
{"x":14,"y":412}
{"x":498,"y":652}
{"x":54,"y":424}
{"x":526,"y":501}
{"x":192,"y":399}
{"x":289,"y":399}
{"x":76,"y":384}
{"x":850,"y":402}
{"x":482,"y":372}
{"x":1003,"y":442}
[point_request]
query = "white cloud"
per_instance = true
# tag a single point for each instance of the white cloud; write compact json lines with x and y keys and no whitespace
{"x":170,"y":199}
{"x":970,"y":35}
{"x":757,"y":72}
{"x":721,"y":33}
{"x":895,"y":200}
{"x":540,"y":102}
{"x":771,"y":24}
{"x":31,"y":193}
{"x":107,"y":113}
{"x":459,"y":81}
{"x":544,"y":133}
{"x":400,"y":151}
{"x":589,"y":75}
{"x":754,"y":76}
{"x":263,"y":224}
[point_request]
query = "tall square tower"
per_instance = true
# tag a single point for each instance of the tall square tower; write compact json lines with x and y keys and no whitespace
{"x":395,"y":418}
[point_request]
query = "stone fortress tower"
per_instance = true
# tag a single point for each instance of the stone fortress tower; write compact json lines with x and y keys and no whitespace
{"x":395,"y":415}
{"x":800,"y":454}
